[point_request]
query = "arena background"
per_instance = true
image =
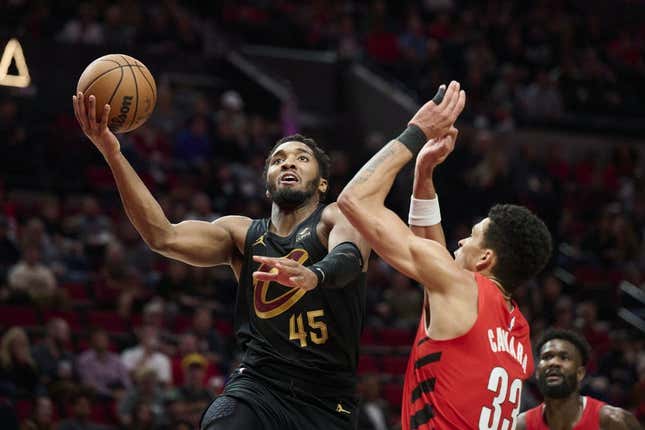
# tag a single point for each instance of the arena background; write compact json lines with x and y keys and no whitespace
{"x":554,"y":121}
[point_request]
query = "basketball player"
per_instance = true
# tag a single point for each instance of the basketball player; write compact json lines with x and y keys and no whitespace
{"x":562,"y":357}
{"x":472,"y":350}
{"x":300,"y":341}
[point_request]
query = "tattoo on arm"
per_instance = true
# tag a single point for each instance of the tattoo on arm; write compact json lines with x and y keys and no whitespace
{"x":370,"y":167}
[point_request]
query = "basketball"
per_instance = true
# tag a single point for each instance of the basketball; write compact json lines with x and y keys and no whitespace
{"x":126,"y":85}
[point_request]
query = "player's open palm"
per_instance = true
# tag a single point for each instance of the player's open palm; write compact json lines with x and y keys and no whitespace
{"x":285,"y":271}
{"x":435,"y":151}
{"x":95,"y":129}
{"x":439,"y":114}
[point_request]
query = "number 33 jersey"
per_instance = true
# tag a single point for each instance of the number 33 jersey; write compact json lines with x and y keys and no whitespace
{"x":473,"y":381}
{"x":292,"y":338}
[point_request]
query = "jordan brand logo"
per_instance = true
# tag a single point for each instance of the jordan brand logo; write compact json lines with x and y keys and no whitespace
{"x":342,"y":410}
{"x":260,"y":241}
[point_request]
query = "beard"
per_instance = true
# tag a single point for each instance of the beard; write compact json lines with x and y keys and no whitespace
{"x":287,"y":198}
{"x":568,"y":386}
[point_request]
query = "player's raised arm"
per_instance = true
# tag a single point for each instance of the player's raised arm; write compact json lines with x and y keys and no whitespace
{"x":362,"y":200}
{"x":194,"y":242}
{"x":424,"y":218}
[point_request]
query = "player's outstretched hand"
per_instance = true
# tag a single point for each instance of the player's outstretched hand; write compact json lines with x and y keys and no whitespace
{"x":286,"y":272}
{"x":97,"y":131}
{"x":437,"y":116}
{"x":435,"y":151}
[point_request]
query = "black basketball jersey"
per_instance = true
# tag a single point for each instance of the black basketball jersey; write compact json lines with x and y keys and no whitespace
{"x":303,"y":340}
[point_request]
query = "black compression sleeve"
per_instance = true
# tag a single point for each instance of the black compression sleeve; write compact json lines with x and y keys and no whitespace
{"x":339,"y":267}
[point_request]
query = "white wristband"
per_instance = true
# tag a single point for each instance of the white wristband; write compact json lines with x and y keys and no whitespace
{"x":424,"y":213}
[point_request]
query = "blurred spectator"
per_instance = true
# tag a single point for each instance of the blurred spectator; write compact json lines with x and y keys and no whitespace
{"x":208,"y":340}
{"x":194,"y":145}
{"x":541,"y":99}
{"x":18,"y":371}
{"x":201,"y":209}
{"x":142,"y":417}
{"x":79,"y":409}
{"x":31,"y":279}
{"x":405,"y":301}
{"x":231,"y":123}
{"x":116,"y":32}
{"x":54,"y":359}
{"x":373,"y":409}
{"x":83,"y":29}
{"x":146,"y":355}
{"x":102,"y":369}
{"x":146,"y":390}
{"x":193,"y":393}
{"x":9,"y":252}
{"x":42,"y":417}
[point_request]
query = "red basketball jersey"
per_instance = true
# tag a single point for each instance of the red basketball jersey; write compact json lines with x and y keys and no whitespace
{"x":590,"y":419}
{"x":475,"y":380}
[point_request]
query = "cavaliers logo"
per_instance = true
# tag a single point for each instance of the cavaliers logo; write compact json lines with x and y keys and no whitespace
{"x":265,"y":308}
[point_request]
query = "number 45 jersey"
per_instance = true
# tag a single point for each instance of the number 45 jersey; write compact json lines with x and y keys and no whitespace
{"x":473,"y":381}
{"x":305,"y":341}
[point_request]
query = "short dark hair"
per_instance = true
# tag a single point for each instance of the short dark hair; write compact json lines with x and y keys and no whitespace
{"x":521,"y":241}
{"x":324,"y":162}
{"x":570,"y":336}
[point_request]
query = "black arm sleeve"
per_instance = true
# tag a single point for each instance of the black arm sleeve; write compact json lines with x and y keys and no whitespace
{"x":342,"y":265}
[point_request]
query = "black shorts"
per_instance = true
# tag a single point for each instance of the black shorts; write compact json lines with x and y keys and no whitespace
{"x":276,"y":409}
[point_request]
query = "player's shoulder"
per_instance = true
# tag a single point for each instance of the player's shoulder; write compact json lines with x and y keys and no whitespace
{"x":526,"y":420}
{"x":612,"y":417}
{"x":521,"y":421}
{"x":234,"y":224}
{"x":233,"y":221}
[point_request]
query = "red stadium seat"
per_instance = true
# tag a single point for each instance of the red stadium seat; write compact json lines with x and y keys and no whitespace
{"x":18,"y":315}
{"x":396,"y":337}
{"x":393,"y":393}
{"x":224,"y":327}
{"x":367,"y":364}
{"x":367,"y":337}
{"x":182,"y":323}
{"x":76,"y":291}
{"x":110,"y":321}
{"x":395,"y":364}
{"x":24,"y":408}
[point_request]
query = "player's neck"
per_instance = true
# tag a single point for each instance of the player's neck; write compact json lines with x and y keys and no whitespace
{"x":283,"y":220}
{"x":498,"y":284}
{"x":562,"y":414}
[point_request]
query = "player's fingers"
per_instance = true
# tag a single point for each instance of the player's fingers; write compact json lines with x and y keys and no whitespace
{"x":265,"y":276}
{"x":81,"y":108}
{"x":289,"y":270}
{"x":452,"y":98}
{"x":441,"y":92}
{"x":104,"y":117}
{"x":266,"y":260}
{"x":91,"y":106}
{"x":75,"y":106}
{"x":459,"y":105}
{"x":450,"y":94}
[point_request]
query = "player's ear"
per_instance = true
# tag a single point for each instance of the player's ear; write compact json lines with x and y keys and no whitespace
{"x":580,"y":373}
{"x":322,"y":186}
{"x":487,"y":260}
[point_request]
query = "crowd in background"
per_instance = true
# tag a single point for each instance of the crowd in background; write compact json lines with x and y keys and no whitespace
{"x":137,"y":341}
{"x":541,"y":60}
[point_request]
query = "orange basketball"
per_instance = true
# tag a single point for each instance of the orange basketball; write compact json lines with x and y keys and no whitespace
{"x":126,"y":85}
